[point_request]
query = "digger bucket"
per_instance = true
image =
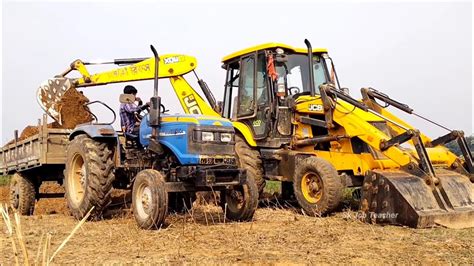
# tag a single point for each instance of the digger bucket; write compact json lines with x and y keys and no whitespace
{"x":397,"y":197}
{"x":49,"y":95}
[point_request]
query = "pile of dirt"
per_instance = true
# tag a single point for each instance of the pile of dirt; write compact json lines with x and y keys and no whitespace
{"x":72,"y":109}
{"x":51,"y":205}
{"x":29,"y":131}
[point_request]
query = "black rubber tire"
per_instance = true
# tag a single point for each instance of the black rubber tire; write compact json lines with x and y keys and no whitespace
{"x":153,"y":215}
{"x":99,"y":174}
{"x":180,"y":202}
{"x":22,"y":194}
{"x":249,"y":159}
{"x":332,"y":186}
{"x":248,"y":197}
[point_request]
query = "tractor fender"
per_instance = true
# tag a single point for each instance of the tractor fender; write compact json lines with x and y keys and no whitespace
{"x":94,"y":131}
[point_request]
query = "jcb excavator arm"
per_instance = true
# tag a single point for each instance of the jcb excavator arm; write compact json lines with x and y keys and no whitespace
{"x":172,"y":66}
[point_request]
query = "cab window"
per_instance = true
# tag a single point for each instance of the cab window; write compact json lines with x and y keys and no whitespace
{"x":246,"y":96}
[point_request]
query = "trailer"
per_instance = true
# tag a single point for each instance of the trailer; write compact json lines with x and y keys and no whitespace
{"x":30,"y":162}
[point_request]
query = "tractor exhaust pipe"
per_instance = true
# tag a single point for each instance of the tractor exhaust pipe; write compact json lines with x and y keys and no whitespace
{"x":155,"y":103}
{"x":155,"y":100}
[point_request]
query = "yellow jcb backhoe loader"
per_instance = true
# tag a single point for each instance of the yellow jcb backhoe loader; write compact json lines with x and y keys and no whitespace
{"x":298,"y":126}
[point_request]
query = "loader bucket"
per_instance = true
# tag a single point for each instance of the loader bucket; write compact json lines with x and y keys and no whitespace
{"x":397,"y":197}
{"x":49,"y":95}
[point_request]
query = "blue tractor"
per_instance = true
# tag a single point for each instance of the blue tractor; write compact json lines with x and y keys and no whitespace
{"x":171,"y":158}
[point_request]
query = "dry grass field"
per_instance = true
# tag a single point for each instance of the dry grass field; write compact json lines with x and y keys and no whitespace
{"x":276,"y":236}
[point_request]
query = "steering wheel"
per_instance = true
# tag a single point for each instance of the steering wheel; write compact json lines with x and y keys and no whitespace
{"x":293,"y":90}
{"x":139,"y":115}
{"x":163,"y":109}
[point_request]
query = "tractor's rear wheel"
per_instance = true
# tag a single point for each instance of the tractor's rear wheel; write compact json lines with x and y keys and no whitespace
{"x":88,"y":176}
{"x":240,"y":203}
{"x":22,"y":194}
{"x":149,"y":199}
{"x":249,"y":159}
{"x":317,"y":186}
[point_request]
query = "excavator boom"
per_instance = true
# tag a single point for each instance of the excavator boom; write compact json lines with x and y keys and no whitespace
{"x":171,"y":66}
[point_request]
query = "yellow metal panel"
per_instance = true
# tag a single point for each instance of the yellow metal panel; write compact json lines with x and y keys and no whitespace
{"x":359,"y":164}
{"x":246,"y":132}
{"x":303,"y":104}
{"x":179,"y":119}
{"x":170,"y":65}
{"x":270,"y":46}
{"x":189,"y":99}
{"x":194,"y":120}
{"x":438,"y":155}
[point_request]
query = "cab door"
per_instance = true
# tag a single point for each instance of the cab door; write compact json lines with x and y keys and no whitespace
{"x":253,"y":100}
{"x":246,"y":97}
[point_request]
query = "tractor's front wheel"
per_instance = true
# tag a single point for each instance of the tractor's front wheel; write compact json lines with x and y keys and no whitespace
{"x":149,"y":199}
{"x":317,"y":186}
{"x":240,"y":203}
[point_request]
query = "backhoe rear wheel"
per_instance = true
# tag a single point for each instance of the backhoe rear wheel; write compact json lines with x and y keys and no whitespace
{"x":88,"y":176}
{"x":249,"y":159}
{"x":149,"y":199}
{"x":317,"y":186}
{"x":22,"y":194}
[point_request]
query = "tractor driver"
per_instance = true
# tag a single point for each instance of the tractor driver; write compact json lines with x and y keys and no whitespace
{"x":128,"y":112}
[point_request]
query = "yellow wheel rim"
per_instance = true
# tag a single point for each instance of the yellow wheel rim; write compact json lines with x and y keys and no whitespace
{"x":312,"y":187}
{"x":77,"y":179}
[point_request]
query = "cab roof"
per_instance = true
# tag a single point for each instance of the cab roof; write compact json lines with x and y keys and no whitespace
{"x":271,"y":45}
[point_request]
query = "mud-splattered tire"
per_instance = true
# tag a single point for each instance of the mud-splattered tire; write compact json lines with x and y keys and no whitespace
{"x":149,"y":199}
{"x":180,"y":202}
{"x":88,"y":176}
{"x":249,"y":159}
{"x":22,"y":194}
{"x":317,"y":186}
{"x":240,"y":203}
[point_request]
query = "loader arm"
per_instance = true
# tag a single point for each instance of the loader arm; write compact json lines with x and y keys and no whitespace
{"x":358,"y":120}
{"x":369,"y":98}
{"x":171,"y":66}
{"x":418,"y":194}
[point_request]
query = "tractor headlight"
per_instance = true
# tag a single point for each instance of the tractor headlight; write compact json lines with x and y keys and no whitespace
{"x":226,"y":137}
{"x":207,"y":136}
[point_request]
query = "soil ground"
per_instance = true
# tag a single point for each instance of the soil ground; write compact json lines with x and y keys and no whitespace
{"x":276,"y":236}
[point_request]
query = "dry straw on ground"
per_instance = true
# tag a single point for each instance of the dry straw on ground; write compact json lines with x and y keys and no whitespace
{"x":43,"y":246}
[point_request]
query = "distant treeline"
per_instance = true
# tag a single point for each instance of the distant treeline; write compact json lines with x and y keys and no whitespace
{"x":454,"y":147}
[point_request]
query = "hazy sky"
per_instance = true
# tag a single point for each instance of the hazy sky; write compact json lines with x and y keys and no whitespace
{"x":419,"y":54}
